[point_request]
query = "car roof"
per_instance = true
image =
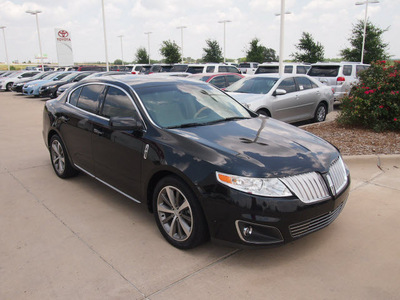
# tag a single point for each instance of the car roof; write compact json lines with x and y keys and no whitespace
{"x":142,"y":81}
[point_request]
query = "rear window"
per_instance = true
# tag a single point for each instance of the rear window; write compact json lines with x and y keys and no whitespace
{"x":267,"y":69}
{"x":244,"y":65}
{"x":324,"y":71}
{"x":195,"y":70}
{"x":179,"y":68}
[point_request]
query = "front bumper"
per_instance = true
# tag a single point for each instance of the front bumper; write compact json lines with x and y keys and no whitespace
{"x":249,"y":220}
{"x":29,"y":91}
{"x":47,"y":92}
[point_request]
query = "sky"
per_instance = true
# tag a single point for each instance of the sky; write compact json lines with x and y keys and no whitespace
{"x":329,"y":22}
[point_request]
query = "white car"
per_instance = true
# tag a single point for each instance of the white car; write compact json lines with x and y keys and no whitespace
{"x":290,"y":98}
{"x":288,"y":68}
{"x":204,"y":68}
{"x":7,"y":82}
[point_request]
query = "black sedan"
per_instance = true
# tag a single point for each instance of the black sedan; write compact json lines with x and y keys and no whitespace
{"x":201,"y":162}
{"x":50,"y":89}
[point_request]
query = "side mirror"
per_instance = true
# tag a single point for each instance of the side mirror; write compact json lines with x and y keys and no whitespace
{"x":279,"y":92}
{"x":126,"y":123}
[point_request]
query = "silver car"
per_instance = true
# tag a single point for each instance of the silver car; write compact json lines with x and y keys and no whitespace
{"x":290,"y":98}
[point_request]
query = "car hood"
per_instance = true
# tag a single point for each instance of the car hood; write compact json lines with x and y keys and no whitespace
{"x":258,"y":147}
{"x":246,"y":97}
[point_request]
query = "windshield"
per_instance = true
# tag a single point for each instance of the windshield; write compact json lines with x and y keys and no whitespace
{"x":50,"y":76}
{"x":187,"y":104}
{"x":253,"y":85}
{"x":71,"y":76}
{"x":60,"y":76}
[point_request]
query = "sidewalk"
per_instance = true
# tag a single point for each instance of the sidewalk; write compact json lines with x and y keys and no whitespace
{"x":78,"y":239}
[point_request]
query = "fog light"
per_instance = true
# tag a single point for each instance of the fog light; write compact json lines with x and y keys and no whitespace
{"x":248,"y":230}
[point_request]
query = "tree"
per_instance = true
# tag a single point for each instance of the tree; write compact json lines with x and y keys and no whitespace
{"x":260,"y":53}
{"x":213,"y":52}
{"x":256,"y":51}
{"x":309,"y":51}
{"x":374,"y":49}
{"x":270,"y":55}
{"x":141,"y":56}
{"x":171,"y":52}
{"x":118,"y":62}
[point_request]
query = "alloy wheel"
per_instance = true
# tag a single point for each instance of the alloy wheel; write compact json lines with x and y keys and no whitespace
{"x":175,"y":213}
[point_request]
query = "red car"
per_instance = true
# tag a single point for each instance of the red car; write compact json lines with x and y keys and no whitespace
{"x":220,"y":80}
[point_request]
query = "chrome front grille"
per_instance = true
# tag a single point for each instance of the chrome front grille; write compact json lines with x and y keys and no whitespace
{"x":337,"y":173}
{"x":309,"y":187}
{"x":311,"y":225}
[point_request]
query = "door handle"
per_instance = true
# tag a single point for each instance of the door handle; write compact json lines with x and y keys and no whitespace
{"x":64,"y":119}
{"x":98,"y":132}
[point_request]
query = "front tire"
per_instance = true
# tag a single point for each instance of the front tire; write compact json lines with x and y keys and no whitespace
{"x":178,"y":214}
{"x":8,"y":86}
{"x":59,"y":158}
{"x":320,"y":113}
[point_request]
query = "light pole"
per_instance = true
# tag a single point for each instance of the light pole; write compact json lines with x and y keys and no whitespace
{"x":105,"y":35}
{"x":5,"y":46}
{"x":122,"y":50}
{"x":181,"y":28}
{"x":36,"y":12}
{"x":365,"y":24}
{"x":148,"y":42}
{"x":282,"y":36}
{"x":224,"y":22}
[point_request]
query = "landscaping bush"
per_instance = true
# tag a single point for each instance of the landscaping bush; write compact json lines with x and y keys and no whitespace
{"x":375,"y":101}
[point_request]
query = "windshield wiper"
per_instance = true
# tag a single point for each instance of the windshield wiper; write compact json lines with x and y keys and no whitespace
{"x":194,"y":124}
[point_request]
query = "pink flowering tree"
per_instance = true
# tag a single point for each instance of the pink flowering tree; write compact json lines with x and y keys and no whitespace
{"x":375,"y":101}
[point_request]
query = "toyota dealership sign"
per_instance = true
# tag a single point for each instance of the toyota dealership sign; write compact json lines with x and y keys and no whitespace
{"x":64,"y":47}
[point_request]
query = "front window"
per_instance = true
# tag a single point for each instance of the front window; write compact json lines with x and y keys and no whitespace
{"x":117,"y":104}
{"x":253,"y":85}
{"x":88,"y":98}
{"x":288,"y":85}
{"x":189,"y":104}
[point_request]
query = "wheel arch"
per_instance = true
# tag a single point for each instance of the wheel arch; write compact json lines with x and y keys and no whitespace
{"x":157,"y":176}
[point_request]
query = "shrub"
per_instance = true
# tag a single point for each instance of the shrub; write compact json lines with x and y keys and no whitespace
{"x":375,"y":101}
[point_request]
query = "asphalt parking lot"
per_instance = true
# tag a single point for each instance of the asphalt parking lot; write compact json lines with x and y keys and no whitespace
{"x":78,"y":239}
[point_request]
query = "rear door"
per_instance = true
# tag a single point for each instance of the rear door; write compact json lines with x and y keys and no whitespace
{"x":77,"y":119}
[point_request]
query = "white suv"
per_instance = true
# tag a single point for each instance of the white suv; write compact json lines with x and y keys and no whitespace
{"x":248,"y":67}
{"x":340,"y":76}
{"x":289,"y":68}
{"x":204,"y":68}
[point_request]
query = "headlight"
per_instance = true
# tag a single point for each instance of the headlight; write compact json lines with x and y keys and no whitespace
{"x":268,"y":187}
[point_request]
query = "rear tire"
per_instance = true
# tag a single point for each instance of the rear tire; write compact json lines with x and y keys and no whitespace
{"x":59,"y":158}
{"x":178,"y":214}
{"x":320,"y":113}
{"x":8,"y":86}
